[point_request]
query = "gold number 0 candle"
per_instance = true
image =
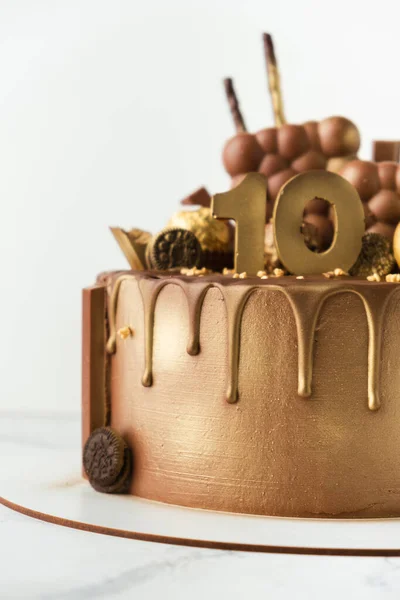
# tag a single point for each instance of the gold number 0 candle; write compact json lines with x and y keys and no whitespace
{"x":288,"y":216}
{"x":245,"y":204}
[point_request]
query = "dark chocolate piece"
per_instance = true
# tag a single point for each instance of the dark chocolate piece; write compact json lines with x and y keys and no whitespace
{"x":199,"y":197}
{"x":385,"y":150}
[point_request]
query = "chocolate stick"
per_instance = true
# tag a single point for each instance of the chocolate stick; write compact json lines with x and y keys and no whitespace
{"x":273,"y":80}
{"x":234,"y":105}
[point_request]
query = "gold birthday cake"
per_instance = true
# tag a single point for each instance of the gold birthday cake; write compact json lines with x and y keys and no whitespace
{"x":249,"y":359}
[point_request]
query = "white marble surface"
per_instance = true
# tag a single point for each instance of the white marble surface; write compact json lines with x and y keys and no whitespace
{"x":43,"y":561}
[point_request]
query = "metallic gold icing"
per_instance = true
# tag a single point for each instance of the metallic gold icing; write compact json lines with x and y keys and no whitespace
{"x":271,"y":452}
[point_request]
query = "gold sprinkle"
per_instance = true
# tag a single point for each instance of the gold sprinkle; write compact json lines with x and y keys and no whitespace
{"x":300,"y":277}
{"x":261,"y":273}
{"x":243,"y":275}
{"x":339,"y":272}
{"x":278,"y":272}
{"x":264,"y":277}
{"x":335,"y":273}
{"x":236,"y":276}
{"x":125,"y":332}
{"x":374,"y":277}
{"x":227,"y":271}
{"x":393,"y":278}
{"x":194,"y":272}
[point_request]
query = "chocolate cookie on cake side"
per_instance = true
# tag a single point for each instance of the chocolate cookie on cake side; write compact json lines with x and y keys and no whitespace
{"x":248,"y":361}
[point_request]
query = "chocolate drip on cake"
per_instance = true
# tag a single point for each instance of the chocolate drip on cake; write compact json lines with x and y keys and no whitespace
{"x":305,"y":299}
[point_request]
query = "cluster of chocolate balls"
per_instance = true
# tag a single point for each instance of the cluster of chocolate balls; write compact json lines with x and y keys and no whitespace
{"x":282,"y":152}
{"x":378,"y":185}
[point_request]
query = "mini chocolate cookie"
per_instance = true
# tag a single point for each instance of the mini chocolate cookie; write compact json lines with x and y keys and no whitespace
{"x":107,"y":461}
{"x":174,"y":248}
{"x":375,"y":257}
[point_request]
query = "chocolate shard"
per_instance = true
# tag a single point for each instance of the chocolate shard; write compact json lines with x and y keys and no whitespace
{"x":133,"y":244}
{"x":386,"y":150}
{"x":199,"y":197}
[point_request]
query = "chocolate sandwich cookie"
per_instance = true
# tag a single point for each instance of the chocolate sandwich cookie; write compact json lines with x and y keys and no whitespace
{"x":107,"y":461}
{"x":174,"y":248}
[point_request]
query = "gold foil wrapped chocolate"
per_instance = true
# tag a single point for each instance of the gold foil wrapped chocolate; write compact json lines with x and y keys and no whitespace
{"x":396,"y":244}
{"x":213,"y":235}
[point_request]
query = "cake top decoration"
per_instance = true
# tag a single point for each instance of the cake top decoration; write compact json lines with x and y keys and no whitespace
{"x":318,"y":200}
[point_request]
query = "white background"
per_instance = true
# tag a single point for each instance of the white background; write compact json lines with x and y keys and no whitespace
{"x":111,"y":111}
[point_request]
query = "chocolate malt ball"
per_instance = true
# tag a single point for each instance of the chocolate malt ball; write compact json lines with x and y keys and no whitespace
{"x":275,"y":182}
{"x":237,"y":179}
{"x":311,"y":128}
{"x":242,"y":154}
{"x":272,"y":163}
{"x":363,"y":174}
{"x":384,"y":229}
{"x":338,"y":136}
{"x":317,"y":206}
{"x":336,"y":163}
{"x":375,"y":257}
{"x":309,"y":161}
{"x":385,"y":205}
{"x":323,"y":229}
{"x":387,"y":174}
{"x":292,"y":141}
{"x":267,"y":138}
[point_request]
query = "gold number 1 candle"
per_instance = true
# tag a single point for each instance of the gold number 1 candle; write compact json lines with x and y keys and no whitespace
{"x":288,"y":217}
{"x":246,"y":205}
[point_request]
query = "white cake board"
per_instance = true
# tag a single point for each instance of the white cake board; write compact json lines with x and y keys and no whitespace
{"x":47,"y":488}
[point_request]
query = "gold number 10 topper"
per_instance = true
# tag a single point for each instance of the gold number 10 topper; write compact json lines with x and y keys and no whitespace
{"x":246,"y":204}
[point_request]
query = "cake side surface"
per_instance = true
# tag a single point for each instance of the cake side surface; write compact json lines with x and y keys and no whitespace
{"x":210,"y":404}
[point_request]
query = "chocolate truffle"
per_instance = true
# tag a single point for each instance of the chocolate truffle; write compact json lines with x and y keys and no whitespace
{"x":292,"y":141}
{"x":364,"y":176}
{"x":338,"y":136}
{"x":242,"y":154}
